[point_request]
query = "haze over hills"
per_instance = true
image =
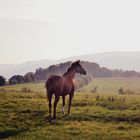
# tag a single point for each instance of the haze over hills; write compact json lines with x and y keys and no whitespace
{"x":23,"y":68}
{"x":111,"y":60}
{"x":4,"y":67}
{"x":114,"y":60}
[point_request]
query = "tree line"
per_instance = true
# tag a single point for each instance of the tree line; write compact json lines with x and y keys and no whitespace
{"x":93,"y":70}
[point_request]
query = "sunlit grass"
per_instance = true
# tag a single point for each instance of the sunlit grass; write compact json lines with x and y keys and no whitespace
{"x":24,"y":115}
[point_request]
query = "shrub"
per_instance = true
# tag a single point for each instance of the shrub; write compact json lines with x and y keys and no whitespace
{"x":2,"y":81}
{"x":16,"y":79}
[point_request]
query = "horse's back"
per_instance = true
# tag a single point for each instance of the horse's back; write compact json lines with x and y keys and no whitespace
{"x":54,"y":83}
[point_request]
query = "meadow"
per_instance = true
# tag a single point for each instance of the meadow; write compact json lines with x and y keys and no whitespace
{"x":104,"y":115}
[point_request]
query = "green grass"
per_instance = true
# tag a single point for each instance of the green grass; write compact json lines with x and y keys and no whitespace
{"x":33,"y":86}
{"x":23,"y":116}
{"x":111,"y":85}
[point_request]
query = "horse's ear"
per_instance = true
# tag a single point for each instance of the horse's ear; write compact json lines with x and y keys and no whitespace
{"x":78,"y":61}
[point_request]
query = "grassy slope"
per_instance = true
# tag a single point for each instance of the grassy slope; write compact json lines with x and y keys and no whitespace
{"x":23,"y":115}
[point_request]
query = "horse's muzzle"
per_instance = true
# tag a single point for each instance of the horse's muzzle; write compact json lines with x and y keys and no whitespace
{"x":84,"y":73}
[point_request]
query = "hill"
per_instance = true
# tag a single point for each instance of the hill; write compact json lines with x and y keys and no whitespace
{"x":93,"y":70}
{"x":111,"y":60}
{"x":9,"y":70}
{"x":4,"y":67}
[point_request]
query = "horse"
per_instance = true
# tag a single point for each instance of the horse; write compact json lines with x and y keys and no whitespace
{"x":63,"y":85}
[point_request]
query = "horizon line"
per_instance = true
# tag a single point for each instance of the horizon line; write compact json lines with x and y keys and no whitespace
{"x":59,"y":59}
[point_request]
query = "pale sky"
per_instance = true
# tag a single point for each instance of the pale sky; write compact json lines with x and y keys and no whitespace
{"x":54,"y":29}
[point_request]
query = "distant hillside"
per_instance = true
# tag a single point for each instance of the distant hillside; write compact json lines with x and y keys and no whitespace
{"x":9,"y":70}
{"x":93,"y":70}
{"x":43,"y":74}
{"x":4,"y":67}
{"x":111,"y":60}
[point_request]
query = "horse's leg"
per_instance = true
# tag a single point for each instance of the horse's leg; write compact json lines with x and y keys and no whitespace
{"x":50,"y":105}
{"x":55,"y":105}
{"x":70,"y":100}
{"x":63,"y":98}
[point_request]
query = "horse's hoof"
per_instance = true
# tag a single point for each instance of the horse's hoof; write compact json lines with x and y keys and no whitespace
{"x":68,"y":113}
{"x":48,"y":117}
{"x":54,"y":118}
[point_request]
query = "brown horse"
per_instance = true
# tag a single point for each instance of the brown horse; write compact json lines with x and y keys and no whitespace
{"x":62,"y":86}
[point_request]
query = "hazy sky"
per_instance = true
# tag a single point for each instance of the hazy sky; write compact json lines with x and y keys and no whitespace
{"x":53,"y":29}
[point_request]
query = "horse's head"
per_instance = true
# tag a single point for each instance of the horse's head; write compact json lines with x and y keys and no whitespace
{"x":78,"y":67}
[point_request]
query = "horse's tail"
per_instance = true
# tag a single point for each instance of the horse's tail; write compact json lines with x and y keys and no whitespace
{"x":48,"y":91}
{"x":48,"y":96}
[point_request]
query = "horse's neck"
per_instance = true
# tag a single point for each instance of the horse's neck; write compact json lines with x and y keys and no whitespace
{"x":69,"y":74}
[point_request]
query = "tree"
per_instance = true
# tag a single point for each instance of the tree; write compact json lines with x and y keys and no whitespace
{"x":16,"y":79}
{"x":2,"y":81}
{"x":29,"y":77}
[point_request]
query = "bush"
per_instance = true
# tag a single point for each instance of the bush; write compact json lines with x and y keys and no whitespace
{"x":16,"y":79}
{"x":29,"y":77}
{"x":2,"y":81}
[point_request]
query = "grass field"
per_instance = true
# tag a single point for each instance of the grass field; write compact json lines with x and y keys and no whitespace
{"x":23,"y":115}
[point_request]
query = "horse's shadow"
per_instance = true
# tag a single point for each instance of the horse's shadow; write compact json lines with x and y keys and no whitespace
{"x":18,"y":125}
{"x":60,"y":117}
{"x":11,"y":132}
{"x":37,"y":118}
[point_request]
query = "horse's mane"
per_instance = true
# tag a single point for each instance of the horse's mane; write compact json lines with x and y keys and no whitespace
{"x":71,"y":67}
{"x":68,"y":70}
